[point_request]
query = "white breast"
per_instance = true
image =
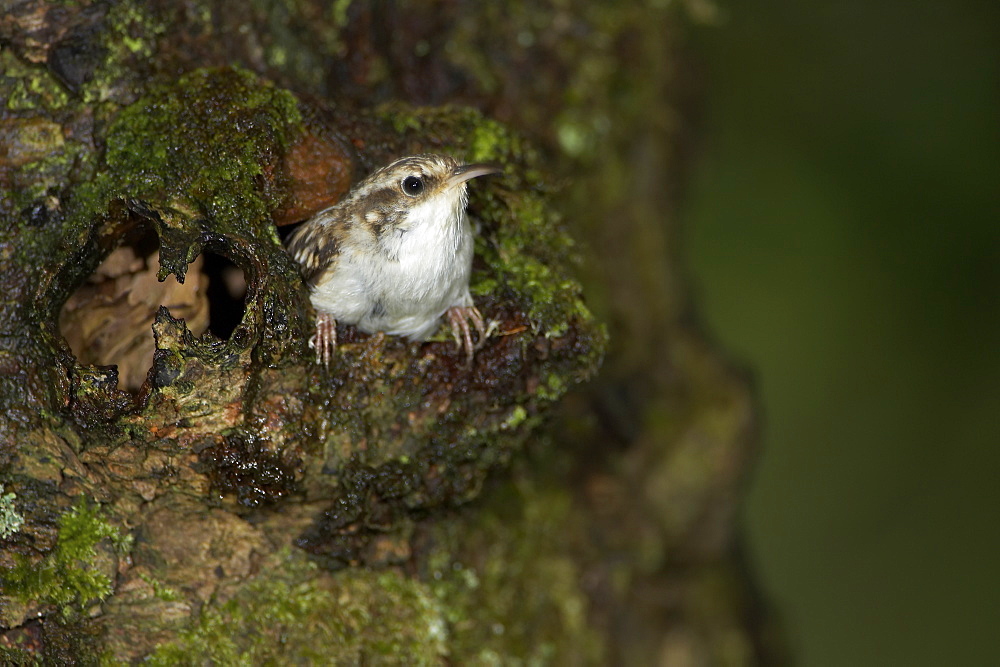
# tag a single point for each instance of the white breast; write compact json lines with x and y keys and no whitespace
{"x":402,"y":283}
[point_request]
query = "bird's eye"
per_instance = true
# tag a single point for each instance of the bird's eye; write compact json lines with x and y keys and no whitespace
{"x":413,"y":185}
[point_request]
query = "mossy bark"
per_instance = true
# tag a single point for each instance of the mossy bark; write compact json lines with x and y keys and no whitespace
{"x":245,"y":503}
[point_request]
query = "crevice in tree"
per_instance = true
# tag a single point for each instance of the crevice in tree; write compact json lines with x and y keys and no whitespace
{"x":226,"y":292}
{"x":107,"y":320}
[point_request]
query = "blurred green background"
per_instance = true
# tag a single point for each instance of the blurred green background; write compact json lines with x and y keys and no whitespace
{"x":842,"y":228}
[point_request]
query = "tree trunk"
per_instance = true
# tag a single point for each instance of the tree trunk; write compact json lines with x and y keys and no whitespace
{"x":183,"y":484}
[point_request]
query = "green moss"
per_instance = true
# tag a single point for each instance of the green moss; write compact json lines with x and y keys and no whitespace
{"x":17,"y":657}
{"x":554,"y":386}
{"x":517,"y":417}
{"x":10,"y":520}
{"x":49,"y":173}
{"x":31,"y":86}
{"x":339,"y":12}
{"x":301,"y":37}
{"x":161,"y":590}
{"x":489,"y":140}
{"x":129,"y":36}
{"x":509,"y":585}
{"x":205,"y":151}
{"x":296,"y":614}
{"x":67,"y":577}
{"x":201,"y":143}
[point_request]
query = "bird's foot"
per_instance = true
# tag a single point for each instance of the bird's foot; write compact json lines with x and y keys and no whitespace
{"x":458,"y":318}
{"x":325,"y":340}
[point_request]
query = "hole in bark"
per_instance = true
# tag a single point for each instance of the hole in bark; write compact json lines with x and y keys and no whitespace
{"x":109,"y":319}
{"x":227,"y":290}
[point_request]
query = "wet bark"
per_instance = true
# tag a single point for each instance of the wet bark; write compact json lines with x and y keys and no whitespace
{"x":189,"y":486}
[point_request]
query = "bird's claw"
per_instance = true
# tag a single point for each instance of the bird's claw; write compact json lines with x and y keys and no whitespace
{"x":325,"y":340}
{"x":458,"y":318}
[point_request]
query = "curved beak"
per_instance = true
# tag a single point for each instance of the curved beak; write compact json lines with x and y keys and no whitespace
{"x":467,"y":172}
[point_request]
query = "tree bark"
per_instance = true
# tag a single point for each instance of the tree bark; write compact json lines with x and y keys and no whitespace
{"x":192,"y":491}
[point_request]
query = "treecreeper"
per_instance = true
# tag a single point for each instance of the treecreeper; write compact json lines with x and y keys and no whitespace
{"x":395,"y":255}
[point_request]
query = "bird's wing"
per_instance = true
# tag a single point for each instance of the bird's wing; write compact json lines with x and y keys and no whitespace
{"x":314,"y":246}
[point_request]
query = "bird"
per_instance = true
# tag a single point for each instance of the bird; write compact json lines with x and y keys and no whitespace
{"x":394,"y":255}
